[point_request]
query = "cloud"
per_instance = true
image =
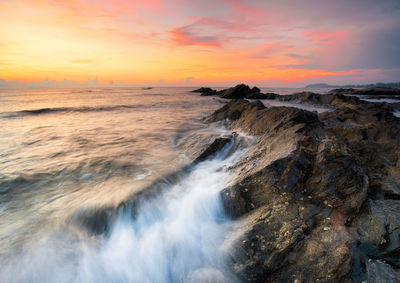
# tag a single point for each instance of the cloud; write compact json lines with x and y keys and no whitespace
{"x":297,"y":56}
{"x":183,"y":36}
{"x":268,"y":50}
{"x":300,"y":66}
{"x":135,"y":40}
{"x":327,"y":38}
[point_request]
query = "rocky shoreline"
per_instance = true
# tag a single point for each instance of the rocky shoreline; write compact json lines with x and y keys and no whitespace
{"x":318,"y":195}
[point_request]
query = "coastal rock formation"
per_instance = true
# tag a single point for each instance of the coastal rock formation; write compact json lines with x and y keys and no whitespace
{"x":205,"y":91}
{"x":367,"y":91}
{"x":213,"y":149}
{"x":317,"y":197}
{"x":238,"y":92}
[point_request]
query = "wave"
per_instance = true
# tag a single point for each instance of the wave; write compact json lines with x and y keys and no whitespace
{"x":85,"y":170}
{"x":177,"y":236}
{"x":40,"y":111}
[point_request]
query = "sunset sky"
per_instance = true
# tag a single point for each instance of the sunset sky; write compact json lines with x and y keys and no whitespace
{"x":207,"y":42}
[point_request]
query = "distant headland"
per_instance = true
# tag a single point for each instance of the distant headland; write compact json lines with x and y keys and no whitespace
{"x":322,"y":85}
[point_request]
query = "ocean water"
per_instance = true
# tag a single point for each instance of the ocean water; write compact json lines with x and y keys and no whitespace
{"x":65,"y":153}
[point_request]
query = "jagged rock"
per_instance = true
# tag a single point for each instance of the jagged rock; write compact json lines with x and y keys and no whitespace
{"x":342,"y":91}
{"x":238,"y":92}
{"x":213,"y":148}
{"x":255,"y":119}
{"x":233,"y":110}
{"x":259,"y":95}
{"x":380,"y":272}
{"x":205,"y":91}
{"x":317,"y":196}
{"x":377,"y":90}
{"x":202,"y":89}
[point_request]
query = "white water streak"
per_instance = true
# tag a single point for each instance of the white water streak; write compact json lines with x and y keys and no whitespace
{"x":176,"y":237}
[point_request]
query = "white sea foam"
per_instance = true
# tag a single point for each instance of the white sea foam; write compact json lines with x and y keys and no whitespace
{"x":365,"y":98}
{"x":387,"y":100}
{"x":176,"y":237}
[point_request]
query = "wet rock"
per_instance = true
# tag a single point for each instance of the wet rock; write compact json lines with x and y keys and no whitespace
{"x":377,"y":91}
{"x":380,"y":272}
{"x":317,"y":196}
{"x":367,"y":91}
{"x":264,"y":238}
{"x":259,"y":95}
{"x":342,"y":91}
{"x":255,"y":119}
{"x":380,"y":227}
{"x":95,"y":220}
{"x":217,"y":145}
{"x":233,"y":110}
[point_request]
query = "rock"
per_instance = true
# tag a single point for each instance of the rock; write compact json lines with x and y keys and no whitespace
{"x":238,"y":92}
{"x":325,"y":256}
{"x":255,"y":119}
{"x":95,"y":220}
{"x":342,"y":91}
{"x":213,"y":149}
{"x":259,"y":95}
{"x":202,"y":89}
{"x":233,"y":110}
{"x":380,"y":272}
{"x":380,"y":227}
{"x":377,"y":90}
{"x":317,"y":196}
{"x":205,"y":91}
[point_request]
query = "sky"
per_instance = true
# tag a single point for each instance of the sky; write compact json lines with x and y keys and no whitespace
{"x":277,"y":43}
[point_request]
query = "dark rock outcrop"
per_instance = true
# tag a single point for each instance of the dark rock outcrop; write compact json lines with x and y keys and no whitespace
{"x":259,"y":95}
{"x":205,"y":91}
{"x":202,"y":89}
{"x":213,"y":148}
{"x":367,"y":91}
{"x":240,"y":91}
{"x":317,"y":198}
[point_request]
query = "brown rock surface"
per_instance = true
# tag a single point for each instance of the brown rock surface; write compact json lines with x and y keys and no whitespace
{"x":317,"y":196}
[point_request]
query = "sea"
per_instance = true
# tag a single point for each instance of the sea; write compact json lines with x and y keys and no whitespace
{"x":66,"y":154}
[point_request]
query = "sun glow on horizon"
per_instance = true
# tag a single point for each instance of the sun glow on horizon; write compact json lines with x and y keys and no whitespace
{"x":190,"y":42}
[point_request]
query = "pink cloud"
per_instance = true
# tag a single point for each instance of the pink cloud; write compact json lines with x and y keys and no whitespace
{"x":269,"y":49}
{"x":327,"y":37}
{"x":247,"y":10}
{"x":182,"y":37}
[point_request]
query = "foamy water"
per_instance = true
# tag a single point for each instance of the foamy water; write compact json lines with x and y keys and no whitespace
{"x":176,"y":237}
{"x":66,"y":153}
